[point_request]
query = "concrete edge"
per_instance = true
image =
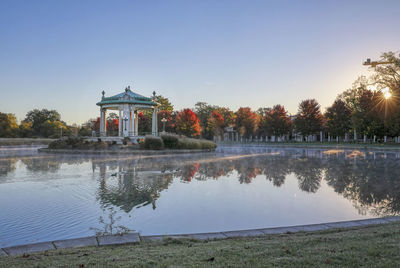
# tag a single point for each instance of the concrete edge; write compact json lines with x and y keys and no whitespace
{"x":311,"y":146}
{"x":138,"y":152}
{"x":121,"y":239}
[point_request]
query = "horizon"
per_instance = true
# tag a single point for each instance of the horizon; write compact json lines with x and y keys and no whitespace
{"x":61,"y":55}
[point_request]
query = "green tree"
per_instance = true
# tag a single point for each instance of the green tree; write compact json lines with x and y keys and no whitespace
{"x":39,"y":117}
{"x":25,"y":129}
{"x":165,"y":104}
{"x":203,"y":111}
{"x":309,"y":119}
{"x":53,"y":129}
{"x":8,"y":125}
{"x":338,"y":118}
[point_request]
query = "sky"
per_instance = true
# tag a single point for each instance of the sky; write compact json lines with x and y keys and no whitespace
{"x":62,"y":54}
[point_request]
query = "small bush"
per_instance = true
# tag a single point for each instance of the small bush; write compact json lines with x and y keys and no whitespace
{"x":189,"y":143}
{"x":153,"y":143}
{"x":205,"y":144}
{"x":58,"y":144}
{"x":170,"y":140}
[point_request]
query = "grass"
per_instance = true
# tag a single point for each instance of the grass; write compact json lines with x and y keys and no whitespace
{"x":24,"y":141}
{"x":366,"y":246}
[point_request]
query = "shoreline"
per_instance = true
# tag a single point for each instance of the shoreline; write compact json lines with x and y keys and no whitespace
{"x":124,"y":152}
{"x":135,"y":237}
{"x":354,"y":146}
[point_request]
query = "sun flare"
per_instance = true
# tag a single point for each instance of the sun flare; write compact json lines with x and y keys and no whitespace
{"x":386,"y":93}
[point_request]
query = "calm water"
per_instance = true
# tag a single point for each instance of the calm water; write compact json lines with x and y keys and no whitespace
{"x":47,"y":197}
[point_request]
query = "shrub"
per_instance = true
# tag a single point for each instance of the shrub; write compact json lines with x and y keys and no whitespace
{"x":205,"y":144}
{"x":153,"y":143}
{"x":58,"y":144}
{"x":189,"y":143}
{"x":170,"y":140}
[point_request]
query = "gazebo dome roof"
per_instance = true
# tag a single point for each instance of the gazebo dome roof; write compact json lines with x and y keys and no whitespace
{"x":127,"y":97}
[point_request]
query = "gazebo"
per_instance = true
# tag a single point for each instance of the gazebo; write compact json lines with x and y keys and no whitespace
{"x":127,"y":104}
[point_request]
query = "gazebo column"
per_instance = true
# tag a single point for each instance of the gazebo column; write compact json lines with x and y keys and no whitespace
{"x":132,"y":121}
{"x":136,"y":123}
{"x":103,"y":125}
{"x":126,"y":121}
{"x":154,"y":122}
{"x":120,"y":122}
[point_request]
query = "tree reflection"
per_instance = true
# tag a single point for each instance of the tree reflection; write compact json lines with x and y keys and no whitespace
{"x":308,"y":171}
{"x":7,"y":165}
{"x":372,"y":184}
{"x":370,"y":180}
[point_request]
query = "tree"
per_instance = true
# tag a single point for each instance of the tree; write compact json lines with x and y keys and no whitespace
{"x":215,"y":123}
{"x":187,"y":123}
{"x":247,"y":122}
{"x":165,"y":104}
{"x":309,"y":119}
{"x":388,"y":75}
{"x":39,"y":117}
{"x":203,"y":111}
{"x":338,"y":118}
{"x":276,"y":121}
{"x":25,"y":129}
{"x":8,"y":125}
{"x":52,"y":129}
{"x":228,"y":116}
{"x":113,"y":125}
{"x":144,"y":125}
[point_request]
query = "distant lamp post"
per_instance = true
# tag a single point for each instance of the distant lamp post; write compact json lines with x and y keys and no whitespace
{"x":164,"y":120}
{"x":125,"y":120}
{"x":61,"y":131}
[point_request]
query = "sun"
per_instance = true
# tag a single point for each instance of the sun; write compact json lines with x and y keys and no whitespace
{"x":386,"y":93}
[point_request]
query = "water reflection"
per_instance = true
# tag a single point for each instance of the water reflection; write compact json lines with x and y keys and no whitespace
{"x":369,"y":180}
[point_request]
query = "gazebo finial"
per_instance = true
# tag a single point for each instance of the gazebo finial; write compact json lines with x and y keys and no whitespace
{"x":102,"y":93}
{"x":154,"y":94}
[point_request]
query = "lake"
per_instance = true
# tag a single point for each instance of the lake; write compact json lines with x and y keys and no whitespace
{"x":47,"y":197}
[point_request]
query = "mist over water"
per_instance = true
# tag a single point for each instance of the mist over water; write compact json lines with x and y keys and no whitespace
{"x":48,"y":197}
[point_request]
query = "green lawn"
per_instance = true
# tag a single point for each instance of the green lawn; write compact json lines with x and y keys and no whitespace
{"x":367,"y":246}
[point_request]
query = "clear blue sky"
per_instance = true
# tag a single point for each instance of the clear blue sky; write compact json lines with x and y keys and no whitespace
{"x":62,"y":54}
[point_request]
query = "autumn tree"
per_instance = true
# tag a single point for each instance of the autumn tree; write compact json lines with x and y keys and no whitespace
{"x":309,"y":119}
{"x":215,"y":123}
{"x":144,"y":125}
{"x":276,"y":121}
{"x":203,"y":111}
{"x":228,"y":116}
{"x":247,"y":122}
{"x":338,"y":118}
{"x":187,"y":123}
{"x":8,"y":125}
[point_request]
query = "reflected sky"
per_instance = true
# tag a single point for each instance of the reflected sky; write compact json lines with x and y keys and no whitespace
{"x":48,"y":197}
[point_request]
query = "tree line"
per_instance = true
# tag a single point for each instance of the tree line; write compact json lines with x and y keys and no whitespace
{"x":369,"y":109}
